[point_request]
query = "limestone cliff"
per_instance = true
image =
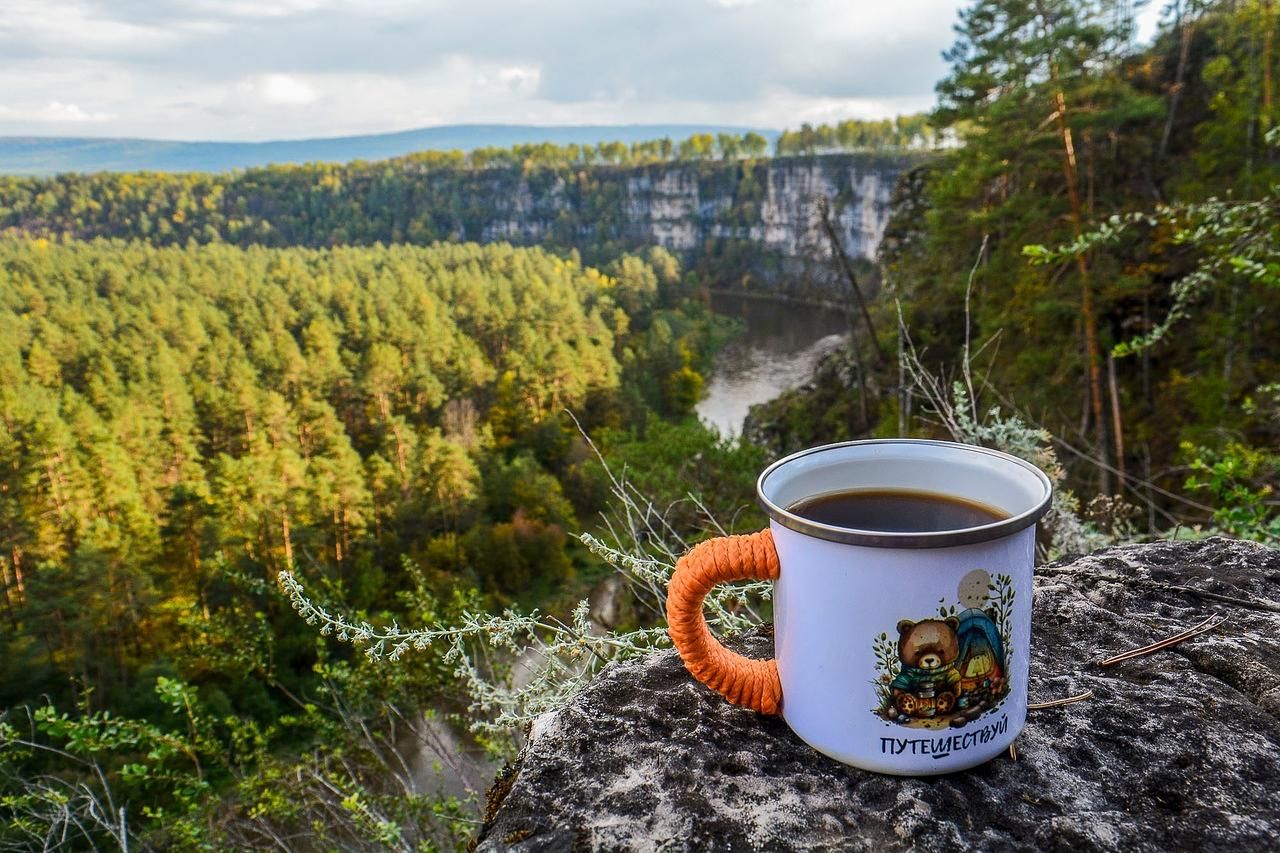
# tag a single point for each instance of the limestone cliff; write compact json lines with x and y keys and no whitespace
{"x":752,"y":224}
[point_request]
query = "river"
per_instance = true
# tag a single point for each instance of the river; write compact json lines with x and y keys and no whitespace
{"x":778,"y":351}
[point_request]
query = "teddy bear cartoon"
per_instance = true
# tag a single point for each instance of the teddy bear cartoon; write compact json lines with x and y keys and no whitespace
{"x":928,"y":683}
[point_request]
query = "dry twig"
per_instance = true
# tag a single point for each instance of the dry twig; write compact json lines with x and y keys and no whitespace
{"x":1055,"y":703}
{"x":1207,"y":624}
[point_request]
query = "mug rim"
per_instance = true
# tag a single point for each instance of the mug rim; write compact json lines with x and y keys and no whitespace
{"x":891,"y":539}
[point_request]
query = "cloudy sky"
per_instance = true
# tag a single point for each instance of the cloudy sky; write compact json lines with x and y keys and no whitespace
{"x":269,"y":69}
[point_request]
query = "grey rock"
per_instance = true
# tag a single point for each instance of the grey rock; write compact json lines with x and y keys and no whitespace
{"x":1179,"y":750}
{"x":705,"y":209}
{"x":606,"y":603}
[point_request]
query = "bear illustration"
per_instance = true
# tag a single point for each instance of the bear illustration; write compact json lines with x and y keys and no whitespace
{"x":928,"y":683}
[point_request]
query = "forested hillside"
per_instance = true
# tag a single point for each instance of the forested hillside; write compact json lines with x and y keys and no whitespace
{"x":177,"y":425}
{"x":727,"y":211}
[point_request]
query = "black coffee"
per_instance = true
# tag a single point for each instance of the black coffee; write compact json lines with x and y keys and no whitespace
{"x":896,"y":511}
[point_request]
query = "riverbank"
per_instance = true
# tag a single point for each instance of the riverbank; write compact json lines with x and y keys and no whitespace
{"x":781,"y":345}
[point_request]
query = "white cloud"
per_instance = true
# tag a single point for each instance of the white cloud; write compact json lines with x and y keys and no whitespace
{"x":269,"y":69}
{"x":75,"y":28}
{"x":290,"y":8}
{"x":522,"y":79}
{"x":257,"y":8}
{"x":55,"y":112}
{"x":58,"y":111}
{"x":283,"y":90}
{"x":795,"y":108}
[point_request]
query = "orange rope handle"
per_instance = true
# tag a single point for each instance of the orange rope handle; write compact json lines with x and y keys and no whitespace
{"x":751,"y":683}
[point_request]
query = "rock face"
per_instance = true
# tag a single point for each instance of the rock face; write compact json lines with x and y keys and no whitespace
{"x":757,"y":219}
{"x":1178,"y":750}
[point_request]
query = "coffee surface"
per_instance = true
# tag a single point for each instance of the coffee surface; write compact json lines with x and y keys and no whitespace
{"x":896,"y":511}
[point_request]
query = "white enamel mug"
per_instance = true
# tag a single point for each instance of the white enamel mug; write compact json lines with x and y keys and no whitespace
{"x":898,"y":652}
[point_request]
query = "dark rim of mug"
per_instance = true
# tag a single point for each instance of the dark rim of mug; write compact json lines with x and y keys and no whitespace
{"x":887,"y":539}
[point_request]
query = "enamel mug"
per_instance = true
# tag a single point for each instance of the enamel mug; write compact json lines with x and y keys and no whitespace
{"x":898,"y":652}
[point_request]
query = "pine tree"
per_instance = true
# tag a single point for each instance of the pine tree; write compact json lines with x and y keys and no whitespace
{"x":1035,"y":91}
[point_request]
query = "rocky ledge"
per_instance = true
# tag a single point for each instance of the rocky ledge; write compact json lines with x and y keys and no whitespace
{"x":1178,"y":750}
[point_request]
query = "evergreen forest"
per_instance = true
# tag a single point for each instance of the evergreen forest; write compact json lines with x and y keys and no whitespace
{"x":304,"y":475}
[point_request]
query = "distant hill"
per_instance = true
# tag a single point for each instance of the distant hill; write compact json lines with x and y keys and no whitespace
{"x":43,"y":155}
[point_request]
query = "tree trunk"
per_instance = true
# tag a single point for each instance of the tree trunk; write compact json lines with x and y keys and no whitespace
{"x":17,"y":573}
{"x":1147,"y":400}
{"x":902,"y":387}
{"x":1175,"y":93}
{"x":1117,"y":425}
{"x":1267,"y":36}
{"x":1088,"y":316}
{"x":838,"y":251}
{"x":288,"y":540}
{"x":337,"y":536}
{"x":7,"y":583}
{"x":402,"y":461}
